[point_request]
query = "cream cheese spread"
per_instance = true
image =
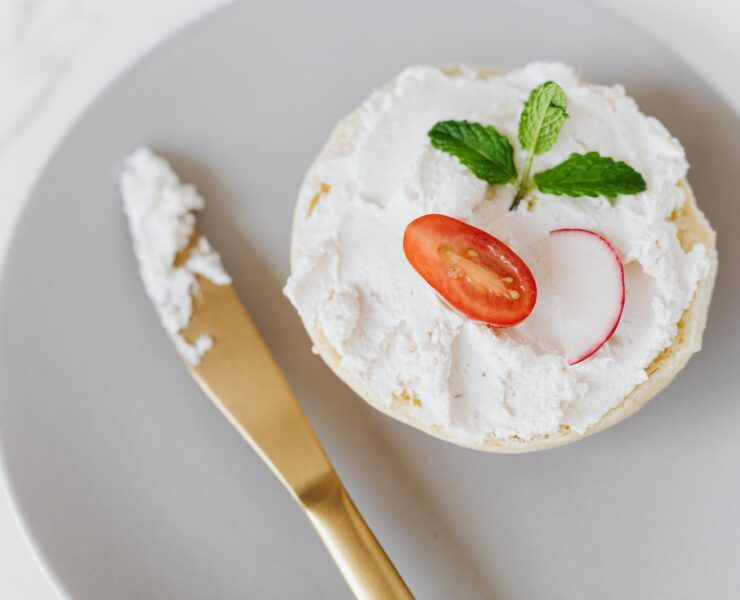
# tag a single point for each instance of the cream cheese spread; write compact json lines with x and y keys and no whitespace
{"x":160,"y":209}
{"x":396,"y":338}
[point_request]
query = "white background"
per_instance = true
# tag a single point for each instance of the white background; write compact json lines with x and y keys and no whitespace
{"x":56,"y":55}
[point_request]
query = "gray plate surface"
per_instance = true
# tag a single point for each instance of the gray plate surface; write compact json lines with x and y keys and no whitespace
{"x":132,"y":486}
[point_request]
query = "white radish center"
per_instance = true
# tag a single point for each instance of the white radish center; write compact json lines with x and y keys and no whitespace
{"x":589,"y":279}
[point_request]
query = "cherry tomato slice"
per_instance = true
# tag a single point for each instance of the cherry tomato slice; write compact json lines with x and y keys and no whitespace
{"x":474,"y":272}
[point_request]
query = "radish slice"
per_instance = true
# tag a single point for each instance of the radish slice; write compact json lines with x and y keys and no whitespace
{"x":589,"y":279}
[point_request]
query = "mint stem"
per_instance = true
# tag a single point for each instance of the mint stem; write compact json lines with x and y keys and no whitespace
{"x":517,"y":198}
{"x":522,"y":187}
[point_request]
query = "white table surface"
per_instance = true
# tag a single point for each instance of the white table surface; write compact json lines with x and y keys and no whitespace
{"x":56,"y":55}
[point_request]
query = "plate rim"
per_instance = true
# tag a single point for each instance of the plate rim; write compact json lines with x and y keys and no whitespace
{"x":52,"y":574}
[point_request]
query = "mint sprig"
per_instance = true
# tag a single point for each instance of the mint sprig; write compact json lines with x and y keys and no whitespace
{"x":481,"y":148}
{"x":539,"y":126}
{"x":490,"y":155}
{"x":591,"y":175}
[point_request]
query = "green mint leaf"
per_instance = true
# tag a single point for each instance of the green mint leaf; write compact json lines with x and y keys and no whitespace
{"x":542,"y":117}
{"x":590,"y":175}
{"x":481,"y":148}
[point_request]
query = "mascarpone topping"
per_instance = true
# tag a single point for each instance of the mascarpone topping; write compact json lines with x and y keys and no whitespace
{"x":160,"y":214}
{"x":397,"y":339}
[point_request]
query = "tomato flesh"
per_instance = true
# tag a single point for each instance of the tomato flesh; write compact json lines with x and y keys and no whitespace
{"x":474,"y":272}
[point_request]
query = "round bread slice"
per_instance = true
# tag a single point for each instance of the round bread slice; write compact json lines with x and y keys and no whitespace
{"x":692,"y":228}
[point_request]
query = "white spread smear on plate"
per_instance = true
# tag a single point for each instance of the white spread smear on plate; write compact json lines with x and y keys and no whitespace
{"x":160,"y":209}
{"x":397,"y":339}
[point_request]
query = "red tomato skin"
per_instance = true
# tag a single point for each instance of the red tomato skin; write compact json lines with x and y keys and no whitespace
{"x":428,"y":243}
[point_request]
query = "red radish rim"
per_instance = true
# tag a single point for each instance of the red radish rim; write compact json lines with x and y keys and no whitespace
{"x":620,"y":265}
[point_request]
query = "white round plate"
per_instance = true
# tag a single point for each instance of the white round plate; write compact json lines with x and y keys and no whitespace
{"x":131,"y":485}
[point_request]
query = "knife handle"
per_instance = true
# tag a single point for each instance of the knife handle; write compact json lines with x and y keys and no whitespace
{"x":360,"y":558}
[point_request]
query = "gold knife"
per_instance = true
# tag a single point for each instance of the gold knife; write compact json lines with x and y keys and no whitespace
{"x":243,"y":380}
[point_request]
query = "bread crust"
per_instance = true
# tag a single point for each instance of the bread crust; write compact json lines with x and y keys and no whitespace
{"x":692,"y":227}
